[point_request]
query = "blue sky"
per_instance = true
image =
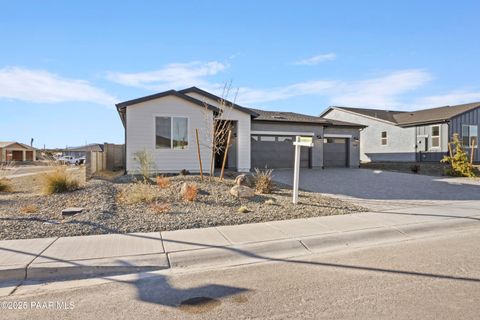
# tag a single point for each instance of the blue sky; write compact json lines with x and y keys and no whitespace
{"x":64,"y":64}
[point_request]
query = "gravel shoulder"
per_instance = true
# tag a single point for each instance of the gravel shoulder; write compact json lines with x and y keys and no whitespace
{"x":104,"y":213}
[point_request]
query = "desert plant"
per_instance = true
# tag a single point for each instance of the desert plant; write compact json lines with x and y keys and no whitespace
{"x":163,"y":182}
{"x":243,"y":209}
{"x":5,"y":185}
{"x":145,"y":163}
{"x":29,"y":209}
{"x":137,"y":193}
{"x":189,"y":192}
{"x":58,"y":181}
{"x":160,"y":207}
{"x":184,"y":172}
{"x":460,"y":165}
{"x":263,"y":180}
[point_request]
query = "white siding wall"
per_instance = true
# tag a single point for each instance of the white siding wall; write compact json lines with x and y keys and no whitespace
{"x":243,"y":131}
{"x":401,"y":141}
{"x":141,"y":134}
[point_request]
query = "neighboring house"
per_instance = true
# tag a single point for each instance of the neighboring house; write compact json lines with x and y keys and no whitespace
{"x":421,"y":135}
{"x":81,"y":151}
{"x":165,"y":124}
{"x":16,"y":151}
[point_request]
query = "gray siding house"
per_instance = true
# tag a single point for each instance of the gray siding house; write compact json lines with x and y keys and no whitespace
{"x":421,"y":135}
{"x":165,"y":125}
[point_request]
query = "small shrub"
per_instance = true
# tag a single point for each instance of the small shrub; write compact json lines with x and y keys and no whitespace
{"x":243,"y":209}
{"x":270,"y":202}
{"x":163,"y":182}
{"x":263,"y":180}
{"x":145,"y":163}
{"x":460,"y":165}
{"x":58,"y":181}
{"x":29,"y":209}
{"x":184,"y":172}
{"x":5,"y":185}
{"x":415,"y":168}
{"x":137,"y":193}
{"x":160,"y":207}
{"x":189,"y":192}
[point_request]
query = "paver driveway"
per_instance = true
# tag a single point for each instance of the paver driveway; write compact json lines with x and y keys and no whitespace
{"x":378,"y":189}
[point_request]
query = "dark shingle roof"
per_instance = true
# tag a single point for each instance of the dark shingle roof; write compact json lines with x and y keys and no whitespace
{"x":387,"y":115}
{"x":433,"y":115}
{"x":280,"y":116}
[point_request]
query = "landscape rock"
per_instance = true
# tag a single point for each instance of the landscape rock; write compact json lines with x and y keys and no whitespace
{"x":244,"y":180}
{"x":68,"y":212}
{"x":242,"y":192}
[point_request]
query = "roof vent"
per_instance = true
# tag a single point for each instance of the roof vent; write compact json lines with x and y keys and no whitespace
{"x":278,"y":117}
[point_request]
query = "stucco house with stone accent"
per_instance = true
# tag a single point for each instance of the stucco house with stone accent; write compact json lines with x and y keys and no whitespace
{"x":164,"y":125}
{"x":408,"y":136}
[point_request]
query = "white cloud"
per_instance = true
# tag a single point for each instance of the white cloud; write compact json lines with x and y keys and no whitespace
{"x":378,"y":92}
{"x":172,"y":76}
{"x":451,"y":98}
{"x":45,"y":87}
{"x":382,"y":91}
{"x":317,"y":59}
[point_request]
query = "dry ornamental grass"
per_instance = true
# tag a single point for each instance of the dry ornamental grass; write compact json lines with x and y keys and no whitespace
{"x":59,"y":181}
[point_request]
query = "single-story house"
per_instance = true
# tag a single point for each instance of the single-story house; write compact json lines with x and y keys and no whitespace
{"x":81,"y":151}
{"x":165,"y":124}
{"x":16,"y":151}
{"x":406,"y":136}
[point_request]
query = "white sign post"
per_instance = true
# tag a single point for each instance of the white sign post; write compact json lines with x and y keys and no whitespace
{"x":299,"y":142}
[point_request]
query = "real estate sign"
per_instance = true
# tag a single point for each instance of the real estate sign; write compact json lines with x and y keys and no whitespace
{"x":299,"y":142}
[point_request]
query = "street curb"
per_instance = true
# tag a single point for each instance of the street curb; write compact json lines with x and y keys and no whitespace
{"x":96,"y":267}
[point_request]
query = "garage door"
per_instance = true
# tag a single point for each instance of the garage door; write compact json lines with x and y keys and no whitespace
{"x":335,"y":152}
{"x":276,"y":152}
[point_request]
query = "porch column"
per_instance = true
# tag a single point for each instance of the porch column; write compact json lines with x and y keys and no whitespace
{"x":24,"y":155}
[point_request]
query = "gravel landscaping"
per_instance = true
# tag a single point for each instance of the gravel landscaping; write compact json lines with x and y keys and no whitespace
{"x":28,"y":214}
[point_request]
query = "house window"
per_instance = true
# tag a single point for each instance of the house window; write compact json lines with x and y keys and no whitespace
{"x":171,"y":132}
{"x":469,"y":135}
{"x":384,"y":138}
{"x":435,"y":136}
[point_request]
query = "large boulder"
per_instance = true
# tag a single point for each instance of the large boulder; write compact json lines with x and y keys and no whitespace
{"x":244,"y":180}
{"x":242,"y":192}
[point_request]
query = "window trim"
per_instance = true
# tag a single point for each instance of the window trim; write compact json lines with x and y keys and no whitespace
{"x":382,"y":138}
{"x":432,"y":136}
{"x":171,"y":132}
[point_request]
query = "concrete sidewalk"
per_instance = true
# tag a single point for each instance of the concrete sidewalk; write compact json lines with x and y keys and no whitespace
{"x":85,"y":256}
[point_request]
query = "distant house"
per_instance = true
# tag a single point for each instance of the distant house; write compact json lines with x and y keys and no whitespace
{"x":81,"y":151}
{"x":164,"y":124}
{"x":16,"y":151}
{"x":421,"y":135}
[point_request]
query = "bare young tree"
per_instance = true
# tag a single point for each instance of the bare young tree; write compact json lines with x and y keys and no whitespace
{"x":216,"y":130}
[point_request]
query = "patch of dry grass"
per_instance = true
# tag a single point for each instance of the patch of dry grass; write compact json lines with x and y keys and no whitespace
{"x":263,"y":181}
{"x":58,"y":181}
{"x":163,"y":182}
{"x":5,"y":185}
{"x":137,"y":193}
{"x":29,"y":209}
{"x":190,"y":192}
{"x":160,"y":207}
{"x":243,"y":209}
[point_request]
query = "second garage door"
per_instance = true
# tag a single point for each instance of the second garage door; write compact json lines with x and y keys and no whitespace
{"x":335,"y":152}
{"x":276,"y":152}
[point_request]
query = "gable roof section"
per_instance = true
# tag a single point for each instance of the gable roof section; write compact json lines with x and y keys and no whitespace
{"x":217,"y":98}
{"x":6,"y":144}
{"x":433,"y":115}
{"x":280,"y":116}
{"x":123,"y":105}
{"x":385,"y":115}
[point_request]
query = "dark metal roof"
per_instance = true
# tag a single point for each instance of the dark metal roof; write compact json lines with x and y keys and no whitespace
{"x":280,"y":116}
{"x":433,"y":115}
{"x":386,"y":115}
{"x":217,"y":98}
